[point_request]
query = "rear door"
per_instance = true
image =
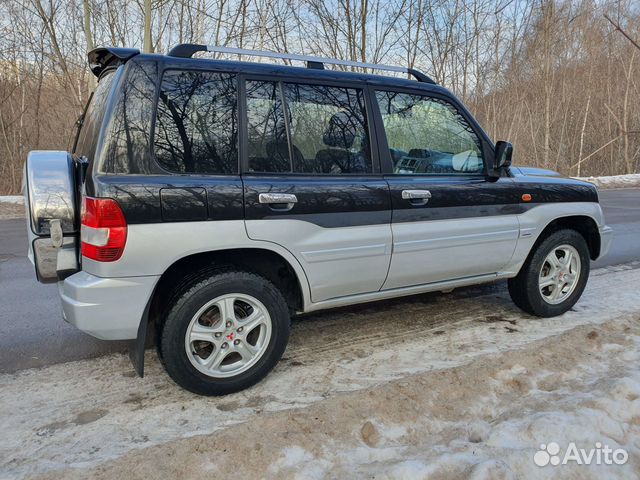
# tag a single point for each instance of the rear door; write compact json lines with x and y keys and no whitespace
{"x":312,"y":182}
{"x":450,"y":221}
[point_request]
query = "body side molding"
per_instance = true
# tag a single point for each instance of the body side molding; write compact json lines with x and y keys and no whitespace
{"x":404,"y":291}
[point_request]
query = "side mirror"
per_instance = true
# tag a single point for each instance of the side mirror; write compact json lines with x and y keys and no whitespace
{"x":502,"y":159}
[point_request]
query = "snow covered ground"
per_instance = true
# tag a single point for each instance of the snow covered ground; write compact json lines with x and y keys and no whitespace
{"x":433,"y":386}
{"x":615,"y":181}
{"x":12,"y":199}
{"x":11,"y":206}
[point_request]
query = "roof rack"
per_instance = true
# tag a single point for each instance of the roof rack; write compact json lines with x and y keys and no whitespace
{"x":186,"y":50}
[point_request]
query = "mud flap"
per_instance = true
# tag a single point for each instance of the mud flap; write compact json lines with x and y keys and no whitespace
{"x":137,"y":346}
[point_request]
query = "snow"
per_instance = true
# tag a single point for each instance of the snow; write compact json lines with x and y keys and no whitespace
{"x":615,"y":181}
{"x":596,"y":404}
{"x":297,"y":458}
{"x":11,"y":207}
{"x":449,"y":391}
{"x":12,"y":199}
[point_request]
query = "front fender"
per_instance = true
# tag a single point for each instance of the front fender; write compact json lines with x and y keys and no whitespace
{"x":538,"y":218}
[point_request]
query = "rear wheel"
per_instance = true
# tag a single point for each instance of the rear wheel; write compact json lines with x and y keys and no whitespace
{"x":224,"y":332}
{"x":554,"y":276}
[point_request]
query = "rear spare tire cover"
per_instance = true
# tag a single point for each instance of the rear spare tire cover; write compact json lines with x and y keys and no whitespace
{"x":50,"y":191}
{"x":49,"y":188}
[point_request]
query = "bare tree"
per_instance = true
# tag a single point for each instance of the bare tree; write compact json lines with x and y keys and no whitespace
{"x":148,"y":44}
{"x":556,"y":77}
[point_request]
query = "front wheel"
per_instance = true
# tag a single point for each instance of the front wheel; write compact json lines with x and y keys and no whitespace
{"x":554,"y":276}
{"x":224,"y":332}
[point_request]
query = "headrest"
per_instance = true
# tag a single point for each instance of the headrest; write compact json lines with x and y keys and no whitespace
{"x":341,"y":131}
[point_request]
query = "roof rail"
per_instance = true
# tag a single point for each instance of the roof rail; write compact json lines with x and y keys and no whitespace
{"x":186,"y":50}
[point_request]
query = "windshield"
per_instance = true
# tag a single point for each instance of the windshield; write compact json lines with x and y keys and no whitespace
{"x":92,"y":120}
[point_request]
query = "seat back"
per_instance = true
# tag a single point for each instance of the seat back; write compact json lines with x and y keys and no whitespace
{"x":339,"y":136}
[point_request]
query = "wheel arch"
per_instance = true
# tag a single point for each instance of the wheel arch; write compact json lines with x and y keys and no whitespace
{"x":535,"y":228}
{"x":286,"y":274}
{"x":523,"y":285}
{"x":586,"y":225}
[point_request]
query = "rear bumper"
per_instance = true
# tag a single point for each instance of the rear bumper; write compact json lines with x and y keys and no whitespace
{"x":107,"y":308}
{"x":606,"y":237}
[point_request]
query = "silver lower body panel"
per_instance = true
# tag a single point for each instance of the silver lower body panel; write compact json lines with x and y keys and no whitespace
{"x":606,"y":239}
{"x":106,"y":308}
{"x":406,"y":291}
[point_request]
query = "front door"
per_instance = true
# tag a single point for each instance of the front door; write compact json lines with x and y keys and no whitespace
{"x":312,"y":183}
{"x":449,"y":220}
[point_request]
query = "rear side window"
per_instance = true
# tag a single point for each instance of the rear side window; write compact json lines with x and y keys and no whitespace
{"x":427,"y":135}
{"x":310,"y":129}
{"x":267,"y":145}
{"x":88,"y":135}
{"x":127,"y":135}
{"x":196,"y":128}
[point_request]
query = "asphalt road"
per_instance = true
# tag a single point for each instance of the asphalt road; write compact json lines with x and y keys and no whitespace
{"x":33,"y":334}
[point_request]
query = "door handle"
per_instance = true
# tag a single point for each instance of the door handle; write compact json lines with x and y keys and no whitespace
{"x":278,"y":201}
{"x":416,"y":197}
{"x":277,"y":198}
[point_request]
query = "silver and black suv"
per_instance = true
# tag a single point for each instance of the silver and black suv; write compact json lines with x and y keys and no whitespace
{"x":207,"y":201}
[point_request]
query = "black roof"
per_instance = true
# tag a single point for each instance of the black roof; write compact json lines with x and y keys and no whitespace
{"x":106,"y":57}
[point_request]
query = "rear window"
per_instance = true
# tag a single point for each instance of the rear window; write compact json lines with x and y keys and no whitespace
{"x":196,"y":128}
{"x":88,"y":136}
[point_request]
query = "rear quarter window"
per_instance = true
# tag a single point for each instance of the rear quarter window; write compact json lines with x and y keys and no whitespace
{"x":88,"y":135}
{"x":128,"y":132}
{"x":196,"y":129}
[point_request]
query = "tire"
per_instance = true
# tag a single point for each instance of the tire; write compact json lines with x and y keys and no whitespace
{"x":194,"y":330}
{"x":526,"y":289}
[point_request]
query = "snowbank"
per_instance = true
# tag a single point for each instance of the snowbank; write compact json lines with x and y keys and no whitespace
{"x":11,"y":206}
{"x":615,"y":181}
{"x":456,"y":384}
{"x":12,"y":199}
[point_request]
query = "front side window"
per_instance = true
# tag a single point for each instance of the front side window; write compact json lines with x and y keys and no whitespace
{"x":196,"y":128}
{"x":427,"y":135}
{"x":308,"y":129}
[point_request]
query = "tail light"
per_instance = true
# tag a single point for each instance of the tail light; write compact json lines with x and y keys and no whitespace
{"x":103,"y":232}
